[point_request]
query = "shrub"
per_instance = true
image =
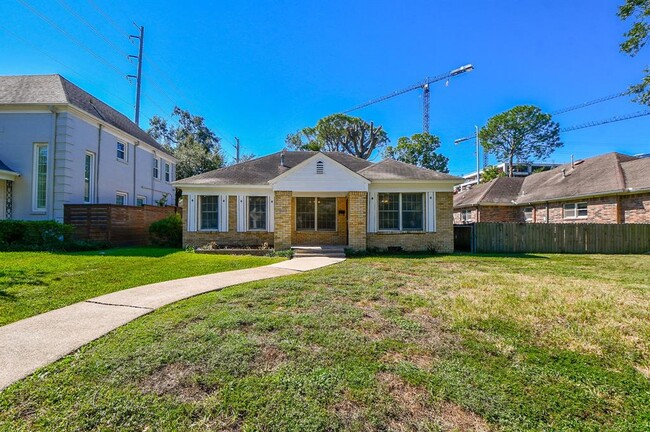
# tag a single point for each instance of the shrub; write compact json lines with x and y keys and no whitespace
{"x":167,"y":232}
{"x":34,"y":235}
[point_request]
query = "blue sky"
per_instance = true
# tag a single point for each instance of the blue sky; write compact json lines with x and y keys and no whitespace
{"x":260,"y":70}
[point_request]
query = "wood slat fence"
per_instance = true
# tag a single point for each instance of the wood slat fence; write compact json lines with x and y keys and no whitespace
{"x":489,"y":237}
{"x":116,"y":224}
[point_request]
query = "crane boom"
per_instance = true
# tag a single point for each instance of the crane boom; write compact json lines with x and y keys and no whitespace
{"x":422,"y":84}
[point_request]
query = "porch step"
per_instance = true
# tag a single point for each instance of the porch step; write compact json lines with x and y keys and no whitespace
{"x":318,"y":251}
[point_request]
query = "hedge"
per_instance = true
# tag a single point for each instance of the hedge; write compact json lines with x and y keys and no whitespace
{"x":17,"y":235}
{"x":167,"y":232}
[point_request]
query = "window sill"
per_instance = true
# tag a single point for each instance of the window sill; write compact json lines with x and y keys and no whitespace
{"x":124,"y":161}
{"x":394,"y":232}
{"x":209,"y":230}
{"x":576,"y":218}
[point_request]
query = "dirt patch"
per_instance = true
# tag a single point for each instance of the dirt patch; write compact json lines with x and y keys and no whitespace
{"x":270,"y":358}
{"x":176,"y":379}
{"x":453,"y":417}
{"x":421,"y":360}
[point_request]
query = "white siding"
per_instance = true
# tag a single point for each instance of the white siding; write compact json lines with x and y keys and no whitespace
{"x":335,"y":178}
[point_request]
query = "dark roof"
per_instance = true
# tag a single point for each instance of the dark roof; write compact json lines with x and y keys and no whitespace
{"x":390,"y":169}
{"x":261,"y":170}
{"x":56,"y":90}
{"x":4,"y":167}
{"x":600,"y":175}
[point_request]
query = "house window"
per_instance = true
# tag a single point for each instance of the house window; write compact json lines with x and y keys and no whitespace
{"x":209,"y":212}
{"x":575,"y":210}
{"x":256,"y":213}
{"x":89,"y":177}
{"x":465,"y":215}
{"x":528,"y":214}
{"x":315,"y":214}
{"x":155,"y":168}
{"x":40,"y":176}
{"x":319,"y":167}
{"x":121,"y":151}
{"x":168,"y":172}
{"x":121,"y":198}
{"x":401,"y":211}
{"x":140,"y":200}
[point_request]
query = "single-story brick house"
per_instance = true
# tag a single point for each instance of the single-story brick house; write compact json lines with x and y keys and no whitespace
{"x":294,"y":198}
{"x":611,"y":188}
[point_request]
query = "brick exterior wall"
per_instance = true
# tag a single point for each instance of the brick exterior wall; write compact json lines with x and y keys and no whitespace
{"x":283,"y":219}
{"x":636,"y":208}
{"x":357,"y":220}
{"x":322,"y":238}
{"x":441,"y":241}
{"x":232,"y":238}
{"x":471,"y":217}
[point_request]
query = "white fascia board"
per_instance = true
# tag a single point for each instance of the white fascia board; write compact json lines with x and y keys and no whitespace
{"x":8,"y":175}
{"x":224,"y":189}
{"x":413,"y":186}
{"x":318,"y":155}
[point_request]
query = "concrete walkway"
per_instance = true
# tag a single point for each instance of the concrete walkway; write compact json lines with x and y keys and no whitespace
{"x":35,"y":342}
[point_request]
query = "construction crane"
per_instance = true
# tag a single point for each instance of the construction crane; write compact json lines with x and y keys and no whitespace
{"x":426,"y":94}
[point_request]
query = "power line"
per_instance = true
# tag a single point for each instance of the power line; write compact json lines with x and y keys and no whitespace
{"x":113,"y":24}
{"x":589,"y":103}
{"x":68,"y":35}
{"x":609,"y":120}
{"x":91,"y":27}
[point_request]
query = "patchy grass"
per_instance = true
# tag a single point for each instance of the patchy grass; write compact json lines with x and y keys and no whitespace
{"x":446,"y":343}
{"x":35,"y":282}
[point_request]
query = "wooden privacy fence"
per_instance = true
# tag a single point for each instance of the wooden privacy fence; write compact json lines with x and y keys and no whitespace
{"x":116,"y":224}
{"x":489,"y":237}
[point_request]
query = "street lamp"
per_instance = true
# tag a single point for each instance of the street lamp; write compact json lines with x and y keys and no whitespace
{"x":460,"y":140}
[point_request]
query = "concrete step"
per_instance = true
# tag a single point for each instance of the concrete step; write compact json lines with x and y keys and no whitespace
{"x":318,"y":251}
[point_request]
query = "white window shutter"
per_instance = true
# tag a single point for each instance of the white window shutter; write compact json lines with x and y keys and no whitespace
{"x":431,"y":211}
{"x":270,"y":210}
{"x":192,"y":210}
{"x":241,"y":213}
{"x":372,"y":212}
{"x":223,"y":213}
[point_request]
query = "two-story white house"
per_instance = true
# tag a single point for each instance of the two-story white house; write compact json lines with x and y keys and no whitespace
{"x":61,"y":145}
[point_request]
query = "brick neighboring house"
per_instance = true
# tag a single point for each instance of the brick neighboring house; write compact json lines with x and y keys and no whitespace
{"x":611,"y":188}
{"x":319,"y":198}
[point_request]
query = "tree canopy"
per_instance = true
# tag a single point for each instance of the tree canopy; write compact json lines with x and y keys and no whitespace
{"x":636,"y":38}
{"x":521,"y":133}
{"x":490,"y":173}
{"x":340,"y":132}
{"x":419,"y":149}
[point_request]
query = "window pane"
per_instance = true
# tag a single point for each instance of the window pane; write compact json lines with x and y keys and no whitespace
{"x":326,"y":214}
{"x":412,"y":212}
{"x":41,"y":177}
{"x":569,"y":211}
{"x":167,"y":172}
{"x":141,"y":201}
{"x":209,"y":212}
{"x":305,"y":214}
{"x":120,"y":199}
{"x":121,"y":151}
{"x":388,"y":211}
{"x":257,"y":213}
{"x":155,"y":168}
{"x":582,"y":209}
{"x":88,"y":178}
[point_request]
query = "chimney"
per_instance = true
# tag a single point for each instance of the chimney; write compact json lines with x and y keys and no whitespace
{"x":572,"y":164}
{"x":563,"y":172}
{"x":282,"y":159}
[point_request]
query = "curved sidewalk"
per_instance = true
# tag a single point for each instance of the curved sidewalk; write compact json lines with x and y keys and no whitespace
{"x":35,"y":342}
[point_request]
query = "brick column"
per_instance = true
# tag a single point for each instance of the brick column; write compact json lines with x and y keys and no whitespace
{"x":357,"y":220}
{"x":282,"y":235}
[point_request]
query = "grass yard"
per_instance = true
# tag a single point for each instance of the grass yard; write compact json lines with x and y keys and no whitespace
{"x":35,"y":282}
{"x":542,"y":343}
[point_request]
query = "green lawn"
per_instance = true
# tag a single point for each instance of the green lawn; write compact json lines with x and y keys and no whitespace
{"x":35,"y":282}
{"x":546,"y":343}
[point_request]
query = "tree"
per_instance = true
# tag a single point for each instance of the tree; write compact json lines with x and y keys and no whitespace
{"x":340,"y":132}
{"x":636,"y":38}
{"x":490,"y":173}
{"x":419,"y":149}
{"x":521,"y":133}
{"x":195,"y":146}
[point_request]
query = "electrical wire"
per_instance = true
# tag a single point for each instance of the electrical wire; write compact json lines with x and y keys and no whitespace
{"x":108,"y":18}
{"x":606,"y":121}
{"x":589,"y":103}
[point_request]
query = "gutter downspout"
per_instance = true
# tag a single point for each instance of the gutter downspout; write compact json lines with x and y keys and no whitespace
{"x":55,"y":116}
{"x":97,"y":163}
{"x":548,"y":213}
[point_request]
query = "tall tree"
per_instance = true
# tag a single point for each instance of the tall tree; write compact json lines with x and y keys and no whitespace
{"x":521,"y":133}
{"x":188,"y":138}
{"x":340,"y":132}
{"x":419,"y":149}
{"x":636,"y":38}
{"x":490,"y":173}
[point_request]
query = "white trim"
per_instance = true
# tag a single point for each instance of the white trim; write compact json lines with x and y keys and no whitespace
{"x":8,"y":175}
{"x":430,"y":206}
{"x":318,"y":155}
{"x":167,"y":172}
{"x":575,"y":210}
{"x":241,"y":213}
{"x":192,"y":207}
{"x":223,"y":213}
{"x":125,"y":159}
{"x":199,"y":214}
{"x":142,"y":197}
{"x":35,"y":150}
{"x":372,"y":212}
{"x":122,"y":194}
{"x":271,"y":213}
{"x":155,"y":168}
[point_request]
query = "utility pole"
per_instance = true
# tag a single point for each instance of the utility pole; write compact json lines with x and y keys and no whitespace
{"x":237,"y":149}
{"x":426,"y":97}
{"x":138,"y":77}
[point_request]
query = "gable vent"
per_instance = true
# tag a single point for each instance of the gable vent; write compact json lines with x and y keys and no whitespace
{"x":319,"y":167}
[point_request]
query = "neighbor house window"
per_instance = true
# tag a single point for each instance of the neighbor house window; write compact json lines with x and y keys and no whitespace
{"x":257,"y":213}
{"x":465,"y":215}
{"x":89,"y":177}
{"x":316,"y":214}
{"x":575,"y":210}
{"x":140,"y":200}
{"x":401,"y":211}
{"x":528,"y":214}
{"x":209,"y":212}
{"x":168,"y":172}
{"x":155,"y":168}
{"x":121,"y":198}
{"x":121,"y":151}
{"x":40,"y":176}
